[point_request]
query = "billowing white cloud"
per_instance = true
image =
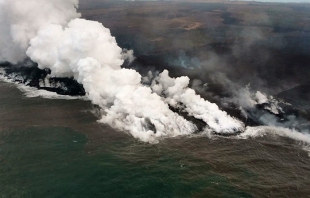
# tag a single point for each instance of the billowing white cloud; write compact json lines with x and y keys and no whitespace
{"x":51,"y":34}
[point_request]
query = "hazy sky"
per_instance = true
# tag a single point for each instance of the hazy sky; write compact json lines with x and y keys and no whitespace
{"x":294,"y":1}
{"x":284,"y":1}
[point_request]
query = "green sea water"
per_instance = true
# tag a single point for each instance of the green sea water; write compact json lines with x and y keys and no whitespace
{"x":55,"y":148}
{"x":52,"y":162}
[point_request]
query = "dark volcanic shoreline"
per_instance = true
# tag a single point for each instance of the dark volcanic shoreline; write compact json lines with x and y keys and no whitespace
{"x":29,"y":74}
{"x":212,"y":42}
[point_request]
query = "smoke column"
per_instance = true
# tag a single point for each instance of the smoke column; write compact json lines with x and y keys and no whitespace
{"x":51,"y":34}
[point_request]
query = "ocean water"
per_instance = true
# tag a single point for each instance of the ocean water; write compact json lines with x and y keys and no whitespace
{"x":55,"y":148}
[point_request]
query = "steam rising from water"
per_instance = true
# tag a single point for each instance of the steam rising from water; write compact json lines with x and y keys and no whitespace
{"x":20,"y":20}
{"x":283,"y":132}
{"x":51,"y":34}
{"x":177,"y":93}
{"x":55,"y":38}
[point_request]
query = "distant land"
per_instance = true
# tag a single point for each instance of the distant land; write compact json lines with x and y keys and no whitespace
{"x":249,"y":37}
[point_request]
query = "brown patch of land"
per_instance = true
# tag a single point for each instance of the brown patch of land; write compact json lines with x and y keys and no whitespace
{"x":262,"y":39}
{"x":203,"y":23}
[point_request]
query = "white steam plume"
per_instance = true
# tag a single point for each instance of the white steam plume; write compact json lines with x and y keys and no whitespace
{"x":87,"y":51}
{"x":179,"y":95}
{"x":252,"y":132}
{"x":50,"y":33}
{"x":21,"y":19}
